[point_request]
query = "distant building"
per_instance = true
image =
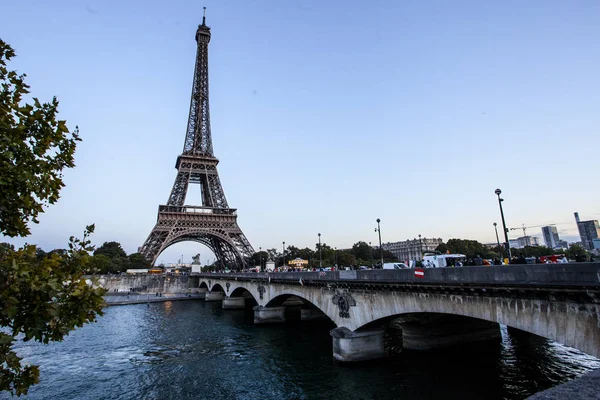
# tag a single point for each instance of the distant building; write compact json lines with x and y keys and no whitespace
{"x":550,"y":236}
{"x":596,"y":243}
{"x":562,"y":244}
{"x":412,"y":249}
{"x":523,"y":241}
{"x":588,"y":231}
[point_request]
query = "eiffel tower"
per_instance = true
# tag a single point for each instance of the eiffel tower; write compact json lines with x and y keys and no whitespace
{"x":213,"y":224}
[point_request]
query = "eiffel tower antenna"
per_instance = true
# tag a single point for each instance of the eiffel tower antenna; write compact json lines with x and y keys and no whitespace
{"x":213,"y":223}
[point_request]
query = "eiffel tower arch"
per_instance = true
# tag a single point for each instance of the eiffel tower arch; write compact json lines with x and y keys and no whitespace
{"x":213,"y":223}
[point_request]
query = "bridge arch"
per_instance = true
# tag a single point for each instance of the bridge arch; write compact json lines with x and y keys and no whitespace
{"x":574,"y":325}
{"x":218,"y":242}
{"x":241,"y":291}
{"x":216,"y":287}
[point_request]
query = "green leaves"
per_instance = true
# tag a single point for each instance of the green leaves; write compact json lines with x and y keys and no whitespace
{"x":42,"y":296}
{"x":35,"y":148}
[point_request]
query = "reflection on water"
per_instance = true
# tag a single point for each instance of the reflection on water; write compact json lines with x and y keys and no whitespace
{"x":192,"y":349}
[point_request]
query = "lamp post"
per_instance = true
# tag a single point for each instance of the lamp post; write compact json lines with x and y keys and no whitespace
{"x":320,"y":258}
{"x":283,"y":254}
{"x":371,"y":247}
{"x":378,"y":229}
{"x":260,"y":258}
{"x":335,"y":255}
{"x":497,"y":238}
{"x":420,"y":248}
{"x":500,"y":200}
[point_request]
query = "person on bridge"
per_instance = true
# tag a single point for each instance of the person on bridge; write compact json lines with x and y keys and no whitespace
{"x":477,"y":260}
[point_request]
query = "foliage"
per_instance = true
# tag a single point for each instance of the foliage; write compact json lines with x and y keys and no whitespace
{"x":361,"y":250}
{"x":42,"y":299}
{"x":442,"y":248}
{"x":35,"y":147}
{"x":42,"y":296}
{"x":99,"y":264}
{"x":138,"y":261}
{"x":533,"y":251}
{"x":259,"y":258}
{"x":119,"y":262}
{"x":470,"y":248}
{"x":346,"y":258}
{"x":111,"y":250}
{"x":359,"y":254}
{"x":577,"y":253}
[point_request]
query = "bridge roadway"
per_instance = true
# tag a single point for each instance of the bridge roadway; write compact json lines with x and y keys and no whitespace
{"x":444,"y":307}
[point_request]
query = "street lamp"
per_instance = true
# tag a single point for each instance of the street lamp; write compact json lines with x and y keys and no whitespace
{"x":497,"y":238}
{"x":378,"y":229}
{"x":335,"y":255}
{"x":260,"y":258}
{"x":500,"y":200}
{"x":320,"y":258}
{"x":283,"y":255}
{"x":371,"y":247}
{"x":420,"y":248}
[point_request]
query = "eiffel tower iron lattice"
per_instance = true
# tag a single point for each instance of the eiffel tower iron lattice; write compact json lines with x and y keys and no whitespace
{"x":213,"y":224}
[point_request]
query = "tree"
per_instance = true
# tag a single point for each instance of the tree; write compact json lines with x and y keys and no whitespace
{"x":35,"y":147}
{"x":42,"y":296}
{"x":577,"y":253}
{"x":470,"y":248}
{"x":111,"y":250}
{"x":138,"y":261}
{"x":42,"y":300}
{"x":346,"y":258}
{"x":99,"y":264}
{"x":442,"y":248}
{"x":361,"y":250}
{"x":274,"y":255}
{"x":117,"y":256}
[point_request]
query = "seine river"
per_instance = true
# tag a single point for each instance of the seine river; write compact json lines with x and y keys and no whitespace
{"x":193,"y":349}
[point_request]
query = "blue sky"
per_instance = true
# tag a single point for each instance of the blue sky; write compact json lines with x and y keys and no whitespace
{"x":325,"y":115}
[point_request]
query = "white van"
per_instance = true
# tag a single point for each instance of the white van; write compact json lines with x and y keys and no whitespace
{"x":443,"y":260}
{"x":396,"y":265}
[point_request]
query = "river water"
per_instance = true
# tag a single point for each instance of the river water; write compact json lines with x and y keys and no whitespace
{"x":196,"y":350}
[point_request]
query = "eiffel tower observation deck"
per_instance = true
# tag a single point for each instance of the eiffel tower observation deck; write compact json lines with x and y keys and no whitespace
{"x":213,"y":223}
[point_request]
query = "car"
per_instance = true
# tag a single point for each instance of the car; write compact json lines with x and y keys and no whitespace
{"x":396,"y":265}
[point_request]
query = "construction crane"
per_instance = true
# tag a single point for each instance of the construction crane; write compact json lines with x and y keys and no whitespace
{"x":527,"y":227}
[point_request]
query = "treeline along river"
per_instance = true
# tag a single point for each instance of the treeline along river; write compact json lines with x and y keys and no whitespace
{"x":196,"y":350}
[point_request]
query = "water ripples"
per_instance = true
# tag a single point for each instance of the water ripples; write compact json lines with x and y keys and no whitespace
{"x":192,"y":349}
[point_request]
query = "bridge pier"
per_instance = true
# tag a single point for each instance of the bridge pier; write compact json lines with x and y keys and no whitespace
{"x":214,"y":296}
{"x":268,"y":315}
{"x":201,"y":292}
{"x":434,"y":331}
{"x":312,"y":314}
{"x":357,"y":346}
{"x":234,"y":303}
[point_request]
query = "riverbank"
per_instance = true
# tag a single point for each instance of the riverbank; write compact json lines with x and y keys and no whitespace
{"x":140,"y":298}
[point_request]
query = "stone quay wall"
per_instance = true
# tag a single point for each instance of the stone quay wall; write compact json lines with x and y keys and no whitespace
{"x":146,"y":283}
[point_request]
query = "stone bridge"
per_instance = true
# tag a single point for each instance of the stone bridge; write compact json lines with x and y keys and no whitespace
{"x":434,"y":307}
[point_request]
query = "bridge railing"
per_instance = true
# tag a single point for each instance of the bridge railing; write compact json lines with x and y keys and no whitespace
{"x":567,"y":275}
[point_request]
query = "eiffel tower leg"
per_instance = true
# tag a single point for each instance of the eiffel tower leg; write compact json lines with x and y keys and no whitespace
{"x":220,"y":233}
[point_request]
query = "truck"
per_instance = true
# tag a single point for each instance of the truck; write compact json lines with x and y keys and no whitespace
{"x":443,"y":260}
